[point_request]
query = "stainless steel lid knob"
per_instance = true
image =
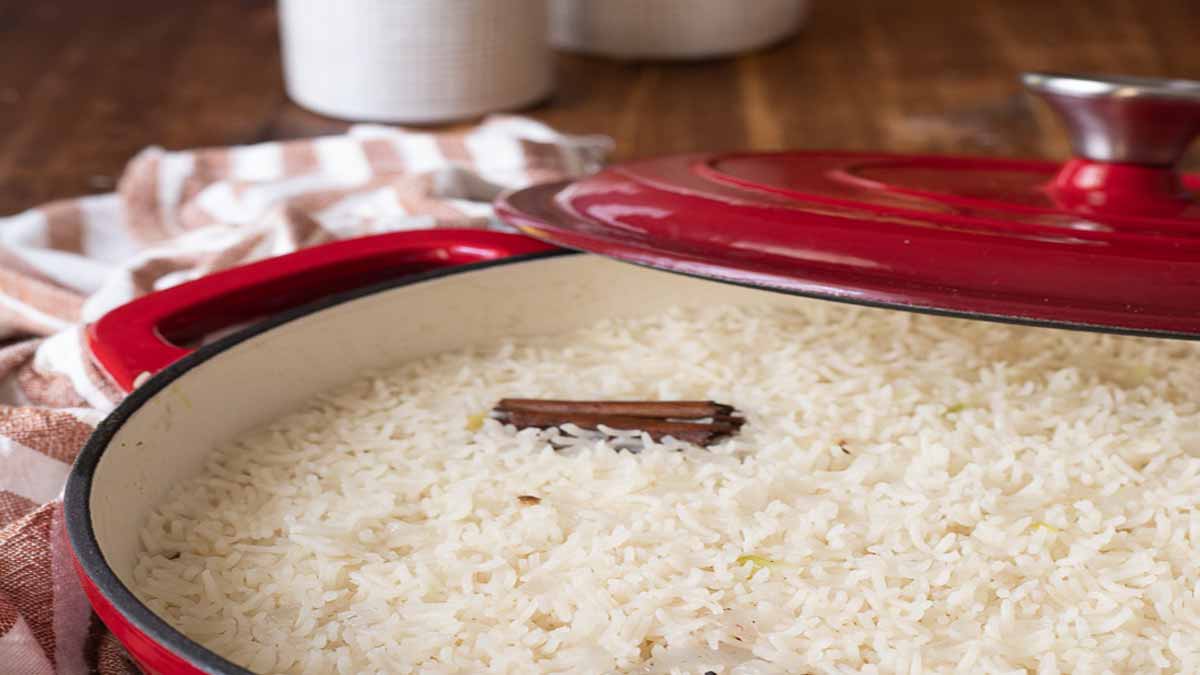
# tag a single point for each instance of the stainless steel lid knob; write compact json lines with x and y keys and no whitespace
{"x":1126,"y":120}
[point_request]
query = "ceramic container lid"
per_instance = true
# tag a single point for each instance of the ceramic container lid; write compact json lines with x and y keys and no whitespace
{"x":1108,"y":241}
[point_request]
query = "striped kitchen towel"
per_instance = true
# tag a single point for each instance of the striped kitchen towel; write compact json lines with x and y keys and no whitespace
{"x":177,"y":216}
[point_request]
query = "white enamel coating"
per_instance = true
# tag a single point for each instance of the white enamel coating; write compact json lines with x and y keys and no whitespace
{"x":166,"y":440}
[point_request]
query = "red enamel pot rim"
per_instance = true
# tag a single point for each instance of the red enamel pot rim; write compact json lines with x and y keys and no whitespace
{"x":150,"y":639}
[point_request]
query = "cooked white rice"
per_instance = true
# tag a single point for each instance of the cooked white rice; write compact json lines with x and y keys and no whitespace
{"x":911,"y":494}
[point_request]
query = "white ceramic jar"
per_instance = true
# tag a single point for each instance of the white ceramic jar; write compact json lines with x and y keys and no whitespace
{"x":672,"y":29}
{"x":415,"y":61}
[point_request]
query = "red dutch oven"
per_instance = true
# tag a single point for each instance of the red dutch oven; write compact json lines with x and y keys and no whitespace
{"x":1106,"y":242}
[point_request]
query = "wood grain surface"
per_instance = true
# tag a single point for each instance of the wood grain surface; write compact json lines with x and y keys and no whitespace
{"x":84,"y":85}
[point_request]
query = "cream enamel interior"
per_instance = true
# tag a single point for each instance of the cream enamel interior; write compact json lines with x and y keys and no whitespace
{"x":264,"y":377}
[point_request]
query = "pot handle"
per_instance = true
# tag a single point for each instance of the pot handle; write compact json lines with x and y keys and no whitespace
{"x":144,"y":336}
{"x":1128,"y":134}
{"x":1146,"y":121}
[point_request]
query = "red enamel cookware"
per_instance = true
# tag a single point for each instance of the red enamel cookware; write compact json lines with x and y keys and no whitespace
{"x":1107,"y":241}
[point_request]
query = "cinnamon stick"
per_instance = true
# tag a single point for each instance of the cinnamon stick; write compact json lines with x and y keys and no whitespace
{"x":698,"y":422}
{"x":591,"y":421}
{"x":656,"y":409}
{"x":700,"y":433}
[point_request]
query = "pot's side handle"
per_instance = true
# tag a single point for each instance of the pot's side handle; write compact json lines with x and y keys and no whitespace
{"x":140,"y":338}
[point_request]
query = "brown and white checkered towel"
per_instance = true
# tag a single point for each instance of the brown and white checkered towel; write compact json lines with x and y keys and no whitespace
{"x":177,"y":216}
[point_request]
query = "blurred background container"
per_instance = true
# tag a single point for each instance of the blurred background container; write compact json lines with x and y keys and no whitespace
{"x":672,"y":29}
{"x":114,"y":77}
{"x":414,"y":61}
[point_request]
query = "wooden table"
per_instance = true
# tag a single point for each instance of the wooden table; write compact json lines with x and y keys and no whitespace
{"x":84,"y":85}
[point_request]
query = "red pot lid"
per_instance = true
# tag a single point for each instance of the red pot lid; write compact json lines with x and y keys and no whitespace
{"x":1110,"y":241}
